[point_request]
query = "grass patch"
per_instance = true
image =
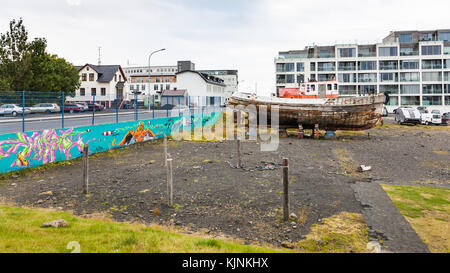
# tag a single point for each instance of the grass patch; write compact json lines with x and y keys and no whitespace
{"x":20,"y":231}
{"x":33,"y":170}
{"x":342,"y":233}
{"x":427,"y":210}
{"x":348,"y":165}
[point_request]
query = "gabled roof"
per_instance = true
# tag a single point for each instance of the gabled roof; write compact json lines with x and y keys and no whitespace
{"x":173,"y":93}
{"x":105,"y":72}
{"x":207,"y":78}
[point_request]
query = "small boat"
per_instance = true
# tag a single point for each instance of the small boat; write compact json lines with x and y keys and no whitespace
{"x":318,"y":103}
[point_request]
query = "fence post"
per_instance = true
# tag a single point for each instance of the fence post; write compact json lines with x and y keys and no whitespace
{"x":285,"y":189}
{"x":153,"y":106}
{"x":93,"y":109}
{"x":136,"y":101}
{"x":165,"y":150}
{"x":86,"y":169}
{"x":62,"y":105}
{"x":117,"y":107}
{"x":167,"y":107}
{"x":179,"y":106}
{"x":170,"y":181}
{"x":23,"y":111}
{"x":239,"y":165}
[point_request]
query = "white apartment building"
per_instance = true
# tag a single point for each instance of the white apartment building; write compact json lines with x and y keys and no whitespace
{"x":105,"y":82}
{"x":229,"y":77}
{"x":412,"y":66}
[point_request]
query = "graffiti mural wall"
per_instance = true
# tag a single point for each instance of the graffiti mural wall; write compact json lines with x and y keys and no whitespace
{"x":32,"y":149}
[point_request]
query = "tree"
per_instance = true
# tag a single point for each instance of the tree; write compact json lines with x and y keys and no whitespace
{"x":27,"y":65}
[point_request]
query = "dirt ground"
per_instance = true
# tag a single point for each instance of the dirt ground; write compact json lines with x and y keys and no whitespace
{"x":211,"y":195}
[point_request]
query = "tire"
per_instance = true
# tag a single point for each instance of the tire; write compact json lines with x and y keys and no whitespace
{"x":14,"y":114}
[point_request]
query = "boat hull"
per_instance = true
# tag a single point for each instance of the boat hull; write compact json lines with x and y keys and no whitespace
{"x":343,"y":113}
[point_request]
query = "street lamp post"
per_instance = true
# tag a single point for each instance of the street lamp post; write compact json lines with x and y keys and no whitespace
{"x":149,"y":73}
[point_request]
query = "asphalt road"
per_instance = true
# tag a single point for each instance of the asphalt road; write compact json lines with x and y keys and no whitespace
{"x":35,"y":122}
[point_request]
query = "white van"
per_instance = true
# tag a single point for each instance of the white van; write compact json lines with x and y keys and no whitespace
{"x":436,"y":119}
{"x":407,"y":115}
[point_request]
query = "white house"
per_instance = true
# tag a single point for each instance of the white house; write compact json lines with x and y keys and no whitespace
{"x":105,"y":82}
{"x":210,"y":88}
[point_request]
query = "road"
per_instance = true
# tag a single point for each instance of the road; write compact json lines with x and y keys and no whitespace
{"x":35,"y":122}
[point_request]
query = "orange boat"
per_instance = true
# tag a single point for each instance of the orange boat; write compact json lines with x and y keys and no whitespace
{"x":311,"y":90}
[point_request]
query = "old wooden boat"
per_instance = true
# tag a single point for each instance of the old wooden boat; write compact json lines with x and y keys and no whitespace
{"x":318,"y":104}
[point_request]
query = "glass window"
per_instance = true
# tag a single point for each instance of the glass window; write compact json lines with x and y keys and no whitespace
{"x":431,"y":50}
{"x":391,"y":89}
{"x":289,"y":67}
{"x":281,"y":78}
{"x":103,"y":91}
{"x":447,"y":100}
{"x":431,"y":100}
{"x":367,"y":77}
{"x":326,"y":77}
{"x":431,"y":76}
{"x":447,"y":50}
{"x":280,"y":68}
{"x":367,"y":89}
{"x":82,"y":92}
{"x":408,"y":51}
{"x":300,"y":67}
{"x":432,"y":89}
{"x":446,"y":76}
{"x":388,"y":77}
{"x":91,"y":77}
{"x":388,"y":65}
{"x":347,"y":90}
{"x":447,"y":63}
{"x":447,"y":88}
{"x":289,"y":78}
{"x":410,"y":89}
{"x":426,"y":37}
{"x":409,"y":64}
{"x":346,"y":52}
{"x":367,"y":65}
{"x":347,"y":66}
{"x":325,"y":54}
{"x":300,"y":78}
{"x":347,"y":77}
{"x":393,"y":101}
{"x":387,"y":51}
{"x":327,"y":66}
{"x":312,"y":67}
{"x":410,"y":100}
{"x":93,"y":91}
{"x":444,"y":36}
{"x":431,"y":64}
{"x":313,"y":77}
{"x":367,"y":52}
{"x":405,"y":38}
{"x":409,"y":76}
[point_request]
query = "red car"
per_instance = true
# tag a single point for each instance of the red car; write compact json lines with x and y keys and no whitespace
{"x":98,"y":107}
{"x":73,"y":108}
{"x":446,"y":118}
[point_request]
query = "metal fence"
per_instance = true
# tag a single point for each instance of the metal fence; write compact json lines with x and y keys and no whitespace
{"x":35,"y":110}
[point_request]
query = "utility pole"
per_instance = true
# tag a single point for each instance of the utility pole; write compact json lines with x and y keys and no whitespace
{"x":99,"y":55}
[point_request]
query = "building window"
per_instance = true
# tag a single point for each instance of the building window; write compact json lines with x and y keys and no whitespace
{"x":300,"y":67}
{"x":388,"y":65}
{"x":347,"y":90}
{"x":409,"y":64}
{"x":426,"y":37}
{"x":446,"y":76}
{"x":289,"y":78}
{"x":444,"y":36}
{"x":289,"y":67}
{"x":346,"y":52}
{"x":431,"y":50}
{"x":347,"y":77}
{"x":431,"y":64}
{"x":347,"y":66}
{"x":431,"y":89}
{"x":103,"y":91}
{"x":131,"y":87}
{"x":167,"y":86}
{"x":393,"y":101}
{"x":410,"y":100}
{"x":91,"y":77}
{"x":93,"y":91}
{"x":409,"y":76}
{"x":390,"y":89}
{"x":300,"y":78}
{"x":388,"y":77}
{"x":447,"y":100}
{"x":367,"y":89}
{"x":326,"y":77}
{"x":431,"y":100}
{"x":327,"y":66}
{"x":447,"y":88}
{"x":367,"y":77}
{"x":115,"y":77}
{"x":431,"y":76}
{"x":405,"y":38}
{"x":82,"y":92}
{"x":410,"y":89}
{"x":83,"y":77}
{"x":367,"y":65}
{"x":387,"y":51}
{"x":408,"y":51}
{"x":155,"y":87}
{"x":312,"y":66}
{"x":281,"y":78}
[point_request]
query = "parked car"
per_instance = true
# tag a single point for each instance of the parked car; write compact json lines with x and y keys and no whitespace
{"x":436,"y":112}
{"x":436,"y":119}
{"x":385,"y":112}
{"x":13,"y":109}
{"x":72,"y":107}
{"x":426,"y":118}
{"x":98,"y":107}
{"x":395,"y":110}
{"x":45,"y":108}
{"x":422,"y":109}
{"x":446,"y":118}
{"x":85,"y":105}
{"x":407,"y":115}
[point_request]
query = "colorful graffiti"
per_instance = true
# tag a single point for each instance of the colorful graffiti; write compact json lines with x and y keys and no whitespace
{"x":31,"y":149}
{"x":41,"y":146}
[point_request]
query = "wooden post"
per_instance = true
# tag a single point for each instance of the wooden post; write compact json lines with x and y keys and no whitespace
{"x":285,"y":189}
{"x":239,"y":164}
{"x":300,"y":131}
{"x":170,"y":181}
{"x":86,"y":169}
{"x":165,"y":150}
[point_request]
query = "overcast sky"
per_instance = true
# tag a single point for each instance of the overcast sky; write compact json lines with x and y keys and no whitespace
{"x":226,"y":34}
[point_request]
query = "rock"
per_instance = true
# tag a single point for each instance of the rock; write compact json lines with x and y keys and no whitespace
{"x":364,"y":168}
{"x":40,"y":201}
{"x":46,"y":193}
{"x":288,"y":245}
{"x":56,"y":223}
{"x":288,"y":230}
{"x":292,"y":216}
{"x":238,"y":229}
{"x":15,"y":176}
{"x":13,"y":184}
{"x":293,"y":223}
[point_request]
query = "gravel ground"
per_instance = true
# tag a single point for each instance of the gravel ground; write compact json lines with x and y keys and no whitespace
{"x":212,"y":196}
